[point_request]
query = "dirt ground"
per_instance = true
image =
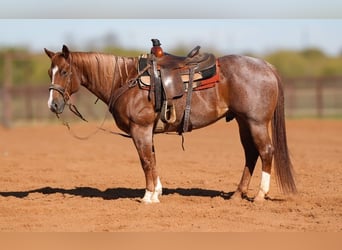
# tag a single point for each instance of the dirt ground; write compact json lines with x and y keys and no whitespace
{"x":51,"y":181}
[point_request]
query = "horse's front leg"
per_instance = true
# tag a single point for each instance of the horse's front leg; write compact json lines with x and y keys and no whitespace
{"x":143,"y":141}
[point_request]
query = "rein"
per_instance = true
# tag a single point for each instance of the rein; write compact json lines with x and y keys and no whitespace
{"x":65,"y":123}
{"x":75,"y":111}
{"x":67,"y":101}
{"x":115,"y":94}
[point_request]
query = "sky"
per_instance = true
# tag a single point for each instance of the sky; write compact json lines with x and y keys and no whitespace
{"x":171,"y":9}
{"x":225,"y":35}
{"x":230,"y":26}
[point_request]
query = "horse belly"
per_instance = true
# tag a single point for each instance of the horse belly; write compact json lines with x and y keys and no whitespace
{"x":207,"y":107}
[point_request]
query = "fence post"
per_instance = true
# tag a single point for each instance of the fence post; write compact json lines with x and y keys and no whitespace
{"x":28,"y":102}
{"x":290,"y":96}
{"x":319,"y":97}
{"x":6,"y":91}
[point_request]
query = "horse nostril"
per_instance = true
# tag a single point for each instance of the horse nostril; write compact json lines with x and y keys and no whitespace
{"x":54,"y":107}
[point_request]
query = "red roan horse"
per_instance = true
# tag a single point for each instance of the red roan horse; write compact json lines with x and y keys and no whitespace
{"x":248,"y":90}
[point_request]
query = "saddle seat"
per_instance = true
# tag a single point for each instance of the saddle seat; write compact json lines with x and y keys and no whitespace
{"x":200,"y":61}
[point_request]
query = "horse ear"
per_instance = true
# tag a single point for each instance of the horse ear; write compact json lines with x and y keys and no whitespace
{"x":65,"y":51}
{"x":49,"y":53}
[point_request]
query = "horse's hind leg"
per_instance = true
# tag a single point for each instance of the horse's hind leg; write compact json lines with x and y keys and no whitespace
{"x":143,"y":141}
{"x":265,"y":148}
{"x":251,"y":156}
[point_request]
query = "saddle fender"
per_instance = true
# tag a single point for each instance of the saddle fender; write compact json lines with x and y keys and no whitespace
{"x":172,"y":83}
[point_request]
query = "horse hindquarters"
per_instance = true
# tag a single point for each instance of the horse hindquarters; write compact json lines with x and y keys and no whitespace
{"x":276,"y":148}
{"x":256,"y":98}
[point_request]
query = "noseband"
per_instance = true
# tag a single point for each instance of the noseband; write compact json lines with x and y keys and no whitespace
{"x":60,"y":90}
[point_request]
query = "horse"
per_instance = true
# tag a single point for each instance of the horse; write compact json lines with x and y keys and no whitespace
{"x":248,"y":90}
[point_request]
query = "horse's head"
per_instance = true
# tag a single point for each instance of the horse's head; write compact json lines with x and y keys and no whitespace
{"x":64,"y":79}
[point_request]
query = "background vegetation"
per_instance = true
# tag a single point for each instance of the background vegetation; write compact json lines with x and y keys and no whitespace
{"x":31,"y":68}
{"x":312,"y":83}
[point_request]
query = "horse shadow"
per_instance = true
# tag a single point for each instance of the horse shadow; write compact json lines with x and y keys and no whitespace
{"x":117,"y":193}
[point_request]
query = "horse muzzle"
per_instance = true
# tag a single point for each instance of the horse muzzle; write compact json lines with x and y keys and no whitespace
{"x":56,"y":105}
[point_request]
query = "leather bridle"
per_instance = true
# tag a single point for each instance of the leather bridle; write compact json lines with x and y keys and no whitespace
{"x":66,"y":96}
{"x":61,"y":90}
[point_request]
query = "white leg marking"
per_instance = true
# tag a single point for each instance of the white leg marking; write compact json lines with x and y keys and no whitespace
{"x":147,"y":197}
{"x":54,"y":71}
{"x":265,"y":182}
{"x":158,"y":190}
{"x":159,"y":187}
{"x":153,"y":197}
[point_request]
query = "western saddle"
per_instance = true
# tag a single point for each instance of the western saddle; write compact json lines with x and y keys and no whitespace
{"x":171,"y":76}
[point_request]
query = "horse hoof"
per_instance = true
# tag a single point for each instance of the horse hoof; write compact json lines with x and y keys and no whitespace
{"x":151,"y":197}
{"x":237,"y":197}
{"x":260,"y":197}
{"x":146,"y":201}
{"x":155,"y":201}
{"x":150,"y":201}
{"x":258,"y":200}
{"x":155,"y":197}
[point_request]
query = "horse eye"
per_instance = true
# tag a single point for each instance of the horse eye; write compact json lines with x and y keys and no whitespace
{"x":64,"y":72}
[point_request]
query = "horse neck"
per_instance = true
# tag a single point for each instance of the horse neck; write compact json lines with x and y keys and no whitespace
{"x":102,"y":74}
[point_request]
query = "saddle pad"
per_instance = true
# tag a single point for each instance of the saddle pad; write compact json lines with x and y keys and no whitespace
{"x":202,"y":75}
{"x":144,"y":82}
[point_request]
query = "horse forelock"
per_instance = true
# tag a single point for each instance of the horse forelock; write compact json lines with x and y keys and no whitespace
{"x":57,"y":60}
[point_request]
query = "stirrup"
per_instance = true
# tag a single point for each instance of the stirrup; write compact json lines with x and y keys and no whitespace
{"x":168,"y":113}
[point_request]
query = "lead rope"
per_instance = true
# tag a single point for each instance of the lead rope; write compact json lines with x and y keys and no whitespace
{"x":130,"y":83}
{"x":78,"y":114}
{"x":75,"y":111}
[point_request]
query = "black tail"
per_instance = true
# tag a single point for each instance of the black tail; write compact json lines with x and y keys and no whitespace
{"x":282,"y":162}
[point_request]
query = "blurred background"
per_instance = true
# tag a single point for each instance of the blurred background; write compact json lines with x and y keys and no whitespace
{"x":306,"y":52}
